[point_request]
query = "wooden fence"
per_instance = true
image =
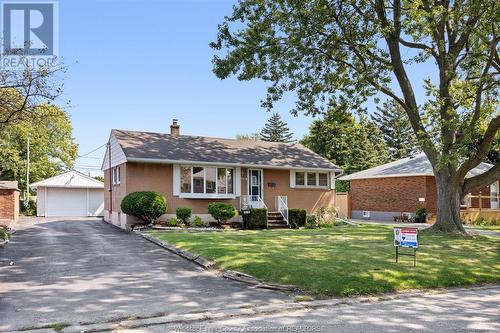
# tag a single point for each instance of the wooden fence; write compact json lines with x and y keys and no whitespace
{"x":343,"y":204}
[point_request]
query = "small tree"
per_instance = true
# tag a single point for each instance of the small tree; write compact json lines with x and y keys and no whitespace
{"x":276,"y":130}
{"x":221,"y":211}
{"x":147,"y":206}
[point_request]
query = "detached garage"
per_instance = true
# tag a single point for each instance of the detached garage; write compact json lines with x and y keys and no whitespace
{"x":69,"y":194}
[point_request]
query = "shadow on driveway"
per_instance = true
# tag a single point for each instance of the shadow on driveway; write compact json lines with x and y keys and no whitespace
{"x":85,"y":270}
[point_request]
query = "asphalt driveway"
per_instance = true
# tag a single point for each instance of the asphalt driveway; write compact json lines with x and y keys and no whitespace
{"x":74,"y":271}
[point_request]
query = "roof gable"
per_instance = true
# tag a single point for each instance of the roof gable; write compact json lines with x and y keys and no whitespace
{"x":70,"y":179}
{"x":146,"y":146}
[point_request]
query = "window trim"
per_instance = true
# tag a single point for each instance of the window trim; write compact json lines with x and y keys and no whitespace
{"x":116,"y":176}
{"x":205,"y":195}
{"x":316,"y":175}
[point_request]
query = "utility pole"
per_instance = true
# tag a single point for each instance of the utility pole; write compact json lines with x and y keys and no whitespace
{"x":27,"y":170}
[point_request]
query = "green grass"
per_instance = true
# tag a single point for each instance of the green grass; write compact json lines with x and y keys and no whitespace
{"x":486,"y":227}
{"x":347,"y":260}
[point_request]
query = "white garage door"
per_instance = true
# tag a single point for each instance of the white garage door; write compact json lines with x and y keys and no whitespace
{"x":66,"y":202}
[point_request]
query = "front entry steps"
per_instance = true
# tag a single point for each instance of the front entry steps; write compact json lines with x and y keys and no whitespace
{"x":275,"y":221}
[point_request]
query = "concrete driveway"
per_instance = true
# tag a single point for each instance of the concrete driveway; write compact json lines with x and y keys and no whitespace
{"x":74,"y":271}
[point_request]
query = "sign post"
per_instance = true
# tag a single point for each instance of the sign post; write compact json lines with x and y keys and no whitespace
{"x":406,"y":237}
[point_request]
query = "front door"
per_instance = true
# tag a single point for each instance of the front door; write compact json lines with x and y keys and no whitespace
{"x":255,"y":185}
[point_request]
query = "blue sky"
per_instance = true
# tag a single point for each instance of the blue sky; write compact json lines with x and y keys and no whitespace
{"x":138,"y":64}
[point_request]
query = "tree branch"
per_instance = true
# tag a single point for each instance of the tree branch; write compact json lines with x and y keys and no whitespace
{"x":484,"y":179}
{"x":482,"y":150}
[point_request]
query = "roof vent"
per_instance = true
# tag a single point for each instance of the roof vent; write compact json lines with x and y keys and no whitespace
{"x":174,"y":128}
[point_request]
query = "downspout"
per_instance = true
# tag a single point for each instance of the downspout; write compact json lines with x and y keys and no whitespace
{"x":110,"y":182}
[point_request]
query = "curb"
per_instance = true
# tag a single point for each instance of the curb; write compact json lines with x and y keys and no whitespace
{"x":206,"y":264}
{"x":218,"y":314}
{"x":199,"y":260}
{"x":4,"y":242}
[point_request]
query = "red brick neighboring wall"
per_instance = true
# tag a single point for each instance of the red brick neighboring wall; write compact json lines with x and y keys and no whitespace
{"x":401,"y":194}
{"x":396,"y":194}
{"x":9,"y":206}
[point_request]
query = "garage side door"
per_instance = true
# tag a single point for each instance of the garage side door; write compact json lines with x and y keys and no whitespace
{"x":66,"y":202}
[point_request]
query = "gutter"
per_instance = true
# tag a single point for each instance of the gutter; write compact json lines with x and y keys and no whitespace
{"x":242,"y":165}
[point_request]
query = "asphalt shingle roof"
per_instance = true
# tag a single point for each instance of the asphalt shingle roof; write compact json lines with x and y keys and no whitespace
{"x":187,"y":148}
{"x":417,"y":165}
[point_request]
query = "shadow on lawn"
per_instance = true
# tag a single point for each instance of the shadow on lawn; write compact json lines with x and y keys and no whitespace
{"x":346,"y":260}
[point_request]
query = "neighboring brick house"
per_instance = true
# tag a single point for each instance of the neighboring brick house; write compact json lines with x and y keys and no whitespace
{"x":403,"y":186}
{"x":193,"y":171}
{"x":9,"y":202}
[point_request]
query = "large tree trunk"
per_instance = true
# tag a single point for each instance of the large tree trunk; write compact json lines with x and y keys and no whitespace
{"x":448,"y":205}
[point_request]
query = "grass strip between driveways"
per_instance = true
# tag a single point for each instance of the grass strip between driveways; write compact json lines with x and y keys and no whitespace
{"x":346,"y":260}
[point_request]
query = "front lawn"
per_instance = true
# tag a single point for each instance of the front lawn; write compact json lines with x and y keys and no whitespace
{"x":346,"y":260}
{"x":486,"y":227}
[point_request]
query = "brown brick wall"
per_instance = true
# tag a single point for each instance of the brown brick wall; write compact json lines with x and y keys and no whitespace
{"x":308,"y":199}
{"x":9,"y":205}
{"x":159,"y":178}
{"x":397,"y":194}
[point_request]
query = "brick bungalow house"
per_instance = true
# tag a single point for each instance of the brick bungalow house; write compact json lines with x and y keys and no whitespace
{"x":9,"y":202}
{"x":401,"y":187}
{"x":193,"y":171}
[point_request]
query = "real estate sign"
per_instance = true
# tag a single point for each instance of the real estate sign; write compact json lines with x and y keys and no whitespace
{"x":406,"y":237}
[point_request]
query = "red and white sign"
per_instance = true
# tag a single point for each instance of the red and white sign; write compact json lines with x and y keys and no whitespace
{"x":406,"y":237}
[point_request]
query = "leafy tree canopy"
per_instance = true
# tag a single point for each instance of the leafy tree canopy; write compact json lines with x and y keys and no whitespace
{"x":339,"y":53}
{"x":353,"y":145}
{"x":52,"y":147}
{"x":251,"y":136}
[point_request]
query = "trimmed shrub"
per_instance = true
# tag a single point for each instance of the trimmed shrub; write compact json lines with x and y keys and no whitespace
{"x":198,"y":222}
{"x":221,"y":211}
{"x":183,"y":214}
{"x":257,"y":218}
{"x":172,"y":222}
{"x":146,"y":206}
{"x":342,"y":186}
{"x":311,"y":222}
{"x":297,"y":217}
{"x":420,"y":215}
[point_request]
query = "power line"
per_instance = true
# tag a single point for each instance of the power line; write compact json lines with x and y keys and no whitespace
{"x":90,"y":152}
{"x":91,"y":157}
{"x":87,"y":167}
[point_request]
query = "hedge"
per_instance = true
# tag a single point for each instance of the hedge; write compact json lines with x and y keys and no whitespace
{"x":258,"y":218}
{"x":297,"y":217}
{"x":342,"y":186}
{"x":147,"y":205}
